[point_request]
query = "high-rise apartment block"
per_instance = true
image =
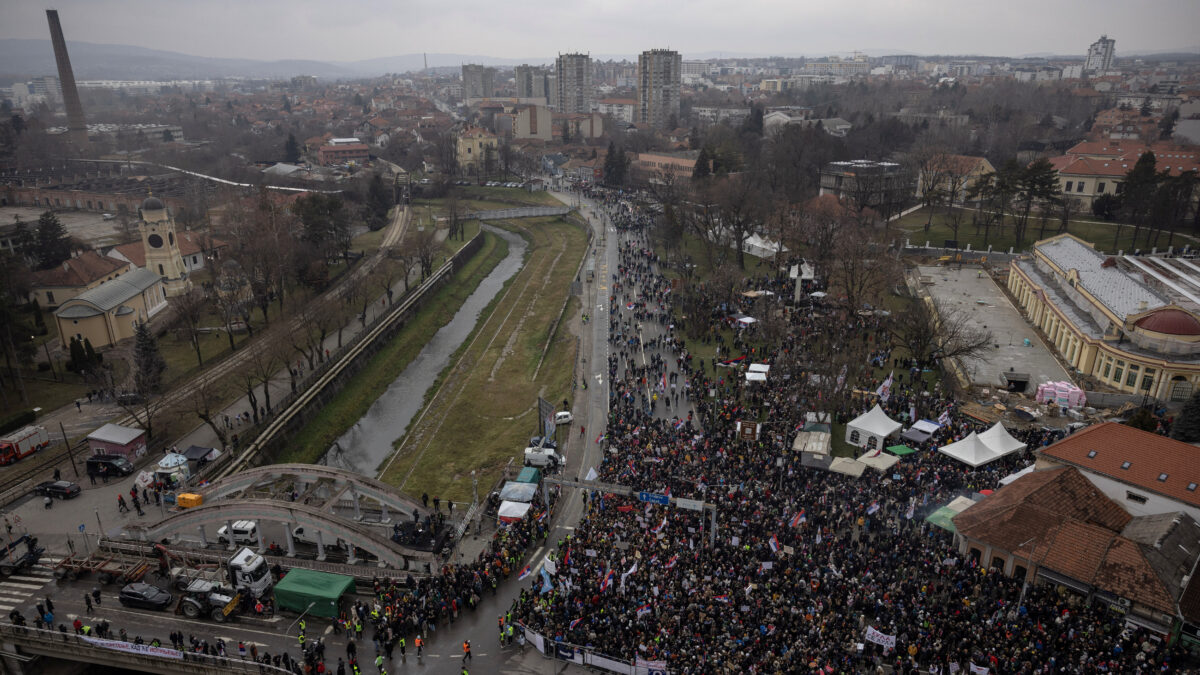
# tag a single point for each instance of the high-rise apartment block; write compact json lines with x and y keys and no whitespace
{"x":659,"y":74}
{"x":478,"y":81}
{"x":576,"y":92}
{"x":531,"y":82}
{"x":1100,"y":55}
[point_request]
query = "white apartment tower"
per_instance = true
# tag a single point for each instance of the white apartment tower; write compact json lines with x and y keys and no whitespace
{"x":659,"y":73}
{"x":478,"y":81}
{"x":1100,"y":55}
{"x":576,"y":93}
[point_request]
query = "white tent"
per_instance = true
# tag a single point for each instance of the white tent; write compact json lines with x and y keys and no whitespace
{"x":972,"y":450}
{"x":813,"y":442}
{"x":1016,"y":474}
{"x":756,"y":377}
{"x":879,"y":460}
{"x":511,"y":512}
{"x":870,"y":430}
{"x":927,"y":426}
{"x":759,"y":368}
{"x":847,"y":466}
{"x":997,"y":438}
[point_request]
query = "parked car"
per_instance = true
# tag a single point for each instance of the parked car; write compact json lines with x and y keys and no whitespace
{"x":116,"y":465}
{"x":59,"y":489}
{"x":548,"y":442}
{"x":563,"y":417}
{"x":145,"y":596}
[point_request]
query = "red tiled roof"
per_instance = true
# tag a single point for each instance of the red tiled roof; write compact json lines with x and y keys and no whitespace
{"x":135,"y":252}
{"x":1126,"y":572}
{"x":86,"y":268}
{"x":1149,"y":456}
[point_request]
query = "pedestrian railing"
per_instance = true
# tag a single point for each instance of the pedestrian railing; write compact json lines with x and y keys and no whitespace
{"x":89,"y":649}
{"x":524,"y":212}
{"x":588,"y":657}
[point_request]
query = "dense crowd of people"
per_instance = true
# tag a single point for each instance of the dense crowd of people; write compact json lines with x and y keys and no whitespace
{"x":806,"y":561}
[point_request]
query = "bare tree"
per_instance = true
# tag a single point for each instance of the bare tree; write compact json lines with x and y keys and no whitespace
{"x":206,"y":400}
{"x":190,"y":308}
{"x":862,"y":269}
{"x":425,"y":247}
{"x":932,"y":331}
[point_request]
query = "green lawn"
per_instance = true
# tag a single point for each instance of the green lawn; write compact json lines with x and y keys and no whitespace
{"x":357,"y":396}
{"x":1097,"y":232}
{"x":368,"y":242}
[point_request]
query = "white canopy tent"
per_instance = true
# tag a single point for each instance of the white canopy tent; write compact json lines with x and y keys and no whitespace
{"x":759,"y":368}
{"x":871,"y":429}
{"x":756,"y":377}
{"x":511,"y":512}
{"x":879,"y":460}
{"x":974,"y":451}
{"x":847,"y":466}
{"x":813,"y":442}
{"x":997,"y":438}
{"x":927,"y":426}
{"x":1016,"y":474}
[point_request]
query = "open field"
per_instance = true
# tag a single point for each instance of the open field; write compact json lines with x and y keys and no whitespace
{"x":361,"y":391}
{"x":484,"y":411}
{"x":1098,"y":232}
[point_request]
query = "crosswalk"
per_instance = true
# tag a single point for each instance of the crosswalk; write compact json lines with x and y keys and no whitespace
{"x":28,"y":587}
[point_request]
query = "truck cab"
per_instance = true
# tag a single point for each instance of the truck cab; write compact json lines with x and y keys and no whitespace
{"x":249,"y":573}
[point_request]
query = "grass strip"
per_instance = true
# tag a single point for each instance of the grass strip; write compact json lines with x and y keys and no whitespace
{"x":353,"y":401}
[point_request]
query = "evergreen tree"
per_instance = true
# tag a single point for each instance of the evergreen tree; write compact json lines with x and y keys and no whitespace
{"x":379,"y":202}
{"x":291,"y":149}
{"x":1187,"y":424}
{"x":89,"y":353}
{"x":610,"y":160}
{"x":148,"y":363}
{"x":703,"y":168}
{"x":52,"y":243}
{"x":38,"y":319}
{"x":78,"y":356}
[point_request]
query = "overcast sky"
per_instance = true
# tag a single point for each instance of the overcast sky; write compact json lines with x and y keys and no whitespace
{"x":350,"y":30}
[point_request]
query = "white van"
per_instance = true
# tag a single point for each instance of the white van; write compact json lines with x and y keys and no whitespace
{"x":563,"y":417}
{"x":303,"y":535}
{"x":244,"y":532}
{"x":546,"y":458}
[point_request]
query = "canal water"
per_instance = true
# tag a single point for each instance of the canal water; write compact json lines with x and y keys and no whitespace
{"x":369,"y":442}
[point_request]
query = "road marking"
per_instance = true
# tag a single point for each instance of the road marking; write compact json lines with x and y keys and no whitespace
{"x":328,"y":629}
{"x":32,"y":587}
{"x":25,"y":578}
{"x":170,"y":617}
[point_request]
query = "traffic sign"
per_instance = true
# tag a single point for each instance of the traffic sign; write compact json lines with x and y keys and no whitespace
{"x":654,"y":498}
{"x":81,"y":527}
{"x":693,"y":504}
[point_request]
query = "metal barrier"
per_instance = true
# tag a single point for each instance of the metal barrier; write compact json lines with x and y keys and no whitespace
{"x":583,"y":656}
{"x":60,"y":645}
{"x":524,"y":212}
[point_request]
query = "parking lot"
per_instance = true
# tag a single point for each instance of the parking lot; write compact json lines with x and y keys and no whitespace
{"x":90,"y":228}
{"x":972,"y":292}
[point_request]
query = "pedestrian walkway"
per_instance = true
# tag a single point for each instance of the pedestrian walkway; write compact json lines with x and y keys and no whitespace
{"x":21,"y":591}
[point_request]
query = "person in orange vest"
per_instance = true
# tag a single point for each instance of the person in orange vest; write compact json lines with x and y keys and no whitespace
{"x":466,"y":650}
{"x":420,"y":643}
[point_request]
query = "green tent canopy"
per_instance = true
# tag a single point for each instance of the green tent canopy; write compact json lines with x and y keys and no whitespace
{"x":900,"y":450}
{"x":300,"y":587}
{"x":943,"y":518}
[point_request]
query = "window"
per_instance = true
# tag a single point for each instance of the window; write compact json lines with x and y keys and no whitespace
{"x":1119,"y":188}
{"x":1079,"y":187}
{"x":1099,"y":188}
{"x":1132,"y":378}
{"x":1070,"y":184}
{"x":1126,"y":464}
{"x":854,"y":437}
{"x":1091,"y":454}
{"x":1147,"y":381}
{"x":1135,"y":498}
{"x":160,"y":270}
{"x":1118,"y":373}
{"x":1107,"y":367}
{"x":1191,"y":487}
{"x":49,"y":297}
{"x":1162,"y":477}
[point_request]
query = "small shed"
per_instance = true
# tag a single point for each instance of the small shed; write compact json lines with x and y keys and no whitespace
{"x":530,"y":474}
{"x":113,"y":439}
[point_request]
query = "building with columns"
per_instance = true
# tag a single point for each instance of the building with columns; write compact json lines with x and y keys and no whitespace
{"x":1131,"y":322}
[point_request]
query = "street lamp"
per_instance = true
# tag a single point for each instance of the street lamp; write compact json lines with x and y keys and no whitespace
{"x":1029,"y":558}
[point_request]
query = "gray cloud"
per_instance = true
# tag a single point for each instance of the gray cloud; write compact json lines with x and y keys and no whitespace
{"x":359,"y":29}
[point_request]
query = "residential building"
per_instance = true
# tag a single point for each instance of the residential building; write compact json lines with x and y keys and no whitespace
{"x":75,"y":275}
{"x":658,"y":81}
{"x":712,"y":115}
{"x":1100,"y":55}
{"x":477,"y":151}
{"x":778,"y":119}
{"x":582,"y":126}
{"x":883,"y":186}
{"x":576,"y":92}
{"x":1146,"y":473}
{"x":530,"y":83}
{"x":110,"y":312}
{"x":1129,"y":322}
{"x":1055,"y":527}
{"x":1093,"y":168}
{"x":838,"y":67}
{"x":346,"y":153}
{"x":624,"y":109}
{"x":533,"y":121}
{"x":953,"y":175}
{"x":478,"y":81}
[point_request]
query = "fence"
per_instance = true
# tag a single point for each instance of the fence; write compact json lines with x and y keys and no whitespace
{"x":523,"y":212}
{"x":58,"y":644}
{"x":588,"y":658}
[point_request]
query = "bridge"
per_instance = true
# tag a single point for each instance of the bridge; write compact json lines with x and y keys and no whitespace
{"x":24,"y":648}
{"x":351,"y":534}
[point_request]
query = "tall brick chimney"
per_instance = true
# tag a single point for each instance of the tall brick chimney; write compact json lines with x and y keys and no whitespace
{"x":76,"y":126}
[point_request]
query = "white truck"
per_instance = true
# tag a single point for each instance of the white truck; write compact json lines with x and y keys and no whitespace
{"x":22,"y":443}
{"x":544,"y":457}
{"x":246,"y":571}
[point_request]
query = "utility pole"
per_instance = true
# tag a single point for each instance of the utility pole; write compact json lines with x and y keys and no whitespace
{"x":70,"y":450}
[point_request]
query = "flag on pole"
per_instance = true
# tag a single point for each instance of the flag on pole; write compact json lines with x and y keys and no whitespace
{"x":606,"y":581}
{"x":774,"y":542}
{"x":525,"y":573}
{"x":799,"y":518}
{"x":722,"y":598}
{"x":872,"y":508}
{"x":600,"y":438}
{"x":575,"y":622}
{"x":643,"y":610}
{"x":567,"y":558}
{"x":661,"y":525}
{"x":671,"y":563}
{"x":944,"y":418}
{"x":542,"y":517}
{"x":818,"y":536}
{"x":591,"y":474}
{"x":911,"y":507}
{"x":678,"y":425}
{"x":885,"y":389}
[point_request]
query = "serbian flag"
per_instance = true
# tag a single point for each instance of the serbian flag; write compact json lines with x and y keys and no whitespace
{"x":600,"y":438}
{"x":671,"y":563}
{"x":607,"y":580}
{"x":567,"y":557}
{"x":630,"y":305}
{"x":872,"y":508}
{"x":542,"y":517}
{"x":662,"y":383}
{"x":799,"y":518}
{"x":678,"y":425}
{"x":643,"y":610}
{"x":730,"y":362}
{"x":525,"y":573}
{"x":722,"y":598}
{"x":661,"y":525}
{"x":774,"y":542}
{"x":574,"y":622}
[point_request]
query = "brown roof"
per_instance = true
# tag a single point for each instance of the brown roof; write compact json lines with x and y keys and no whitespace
{"x":135,"y":252}
{"x":1149,"y":457}
{"x":82,"y":270}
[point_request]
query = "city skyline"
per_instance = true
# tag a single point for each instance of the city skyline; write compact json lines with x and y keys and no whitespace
{"x":367,"y":29}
